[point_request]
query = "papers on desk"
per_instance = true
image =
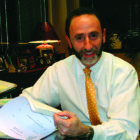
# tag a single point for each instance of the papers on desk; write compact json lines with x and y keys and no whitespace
{"x":19,"y":119}
{"x":5,"y":86}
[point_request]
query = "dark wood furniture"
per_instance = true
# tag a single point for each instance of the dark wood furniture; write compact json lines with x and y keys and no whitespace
{"x":22,"y":79}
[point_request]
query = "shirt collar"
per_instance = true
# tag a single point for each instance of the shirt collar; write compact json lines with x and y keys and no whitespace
{"x":80,"y":68}
{"x":95,"y":70}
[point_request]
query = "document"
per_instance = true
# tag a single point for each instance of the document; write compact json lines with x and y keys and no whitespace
{"x":20,"y":119}
{"x":5,"y":86}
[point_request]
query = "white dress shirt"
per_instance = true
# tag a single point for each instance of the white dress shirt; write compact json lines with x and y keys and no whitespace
{"x":117,"y":91}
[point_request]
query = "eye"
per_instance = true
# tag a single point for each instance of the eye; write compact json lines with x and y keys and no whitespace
{"x":93,"y":36}
{"x":80,"y":38}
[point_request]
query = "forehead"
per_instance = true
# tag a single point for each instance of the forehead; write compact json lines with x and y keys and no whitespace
{"x":85,"y":22}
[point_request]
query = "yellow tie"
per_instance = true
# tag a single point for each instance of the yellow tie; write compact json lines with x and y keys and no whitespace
{"x":91,"y":99}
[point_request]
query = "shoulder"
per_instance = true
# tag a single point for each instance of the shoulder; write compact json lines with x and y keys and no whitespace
{"x":67,"y":63}
{"x":116,"y":62}
{"x":118,"y":68}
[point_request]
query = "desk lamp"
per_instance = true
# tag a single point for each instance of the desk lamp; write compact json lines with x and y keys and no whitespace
{"x":44,"y":32}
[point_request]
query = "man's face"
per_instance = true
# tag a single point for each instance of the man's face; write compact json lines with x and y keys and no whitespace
{"x":86,"y":38}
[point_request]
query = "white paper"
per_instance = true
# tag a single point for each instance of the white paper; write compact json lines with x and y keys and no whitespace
{"x":4,"y":86}
{"x":40,"y":107}
{"x":18,"y":120}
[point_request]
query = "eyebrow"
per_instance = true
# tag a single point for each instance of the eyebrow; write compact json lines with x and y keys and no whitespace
{"x":80,"y":34}
{"x":94,"y":32}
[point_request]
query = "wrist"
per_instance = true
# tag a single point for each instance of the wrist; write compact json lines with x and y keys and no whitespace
{"x":89,"y":135}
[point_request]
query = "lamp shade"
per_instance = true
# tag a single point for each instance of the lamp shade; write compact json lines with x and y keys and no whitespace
{"x":44,"y":33}
{"x":44,"y":46}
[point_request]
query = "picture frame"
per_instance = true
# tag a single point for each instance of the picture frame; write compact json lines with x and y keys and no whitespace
{"x":26,"y":63}
{"x":48,"y":56}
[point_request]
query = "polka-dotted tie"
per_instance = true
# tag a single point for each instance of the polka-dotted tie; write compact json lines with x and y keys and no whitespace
{"x":91,"y":99}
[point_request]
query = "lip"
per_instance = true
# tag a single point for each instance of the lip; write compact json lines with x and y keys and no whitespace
{"x":89,"y":55}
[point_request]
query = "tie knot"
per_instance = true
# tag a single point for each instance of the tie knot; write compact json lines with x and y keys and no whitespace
{"x":87,"y":71}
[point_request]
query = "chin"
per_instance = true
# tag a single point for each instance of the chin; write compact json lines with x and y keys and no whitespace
{"x":89,"y":62}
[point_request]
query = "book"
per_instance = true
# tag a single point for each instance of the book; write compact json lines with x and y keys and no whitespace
{"x":26,"y":118}
{"x":5,"y":86}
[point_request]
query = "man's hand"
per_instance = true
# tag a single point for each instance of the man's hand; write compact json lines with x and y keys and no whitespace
{"x":71,"y":126}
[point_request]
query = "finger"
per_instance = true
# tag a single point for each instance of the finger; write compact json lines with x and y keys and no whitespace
{"x":59,"y":121}
{"x":66,"y":113}
{"x":61,"y":130}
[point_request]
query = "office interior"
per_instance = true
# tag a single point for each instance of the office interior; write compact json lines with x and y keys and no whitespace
{"x":22,"y":63}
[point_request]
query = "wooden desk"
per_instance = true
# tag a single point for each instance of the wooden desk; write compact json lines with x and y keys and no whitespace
{"x":22,"y":79}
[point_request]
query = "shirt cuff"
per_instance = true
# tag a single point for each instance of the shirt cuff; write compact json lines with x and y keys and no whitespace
{"x":98,"y":132}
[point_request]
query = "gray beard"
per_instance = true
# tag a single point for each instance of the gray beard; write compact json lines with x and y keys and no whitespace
{"x":79,"y":54}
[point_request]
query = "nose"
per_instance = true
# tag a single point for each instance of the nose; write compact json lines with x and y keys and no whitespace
{"x":87,"y":44}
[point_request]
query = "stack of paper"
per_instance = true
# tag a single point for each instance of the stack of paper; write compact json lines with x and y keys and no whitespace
{"x":20,"y":119}
{"x":5,"y":86}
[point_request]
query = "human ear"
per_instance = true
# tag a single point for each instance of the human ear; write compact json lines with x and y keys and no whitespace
{"x":104,"y":35}
{"x":68,"y":41}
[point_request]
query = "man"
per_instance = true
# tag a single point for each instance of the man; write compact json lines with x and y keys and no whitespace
{"x":115,"y":82}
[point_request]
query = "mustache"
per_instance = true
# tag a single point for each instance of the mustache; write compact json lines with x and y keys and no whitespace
{"x":95,"y":50}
